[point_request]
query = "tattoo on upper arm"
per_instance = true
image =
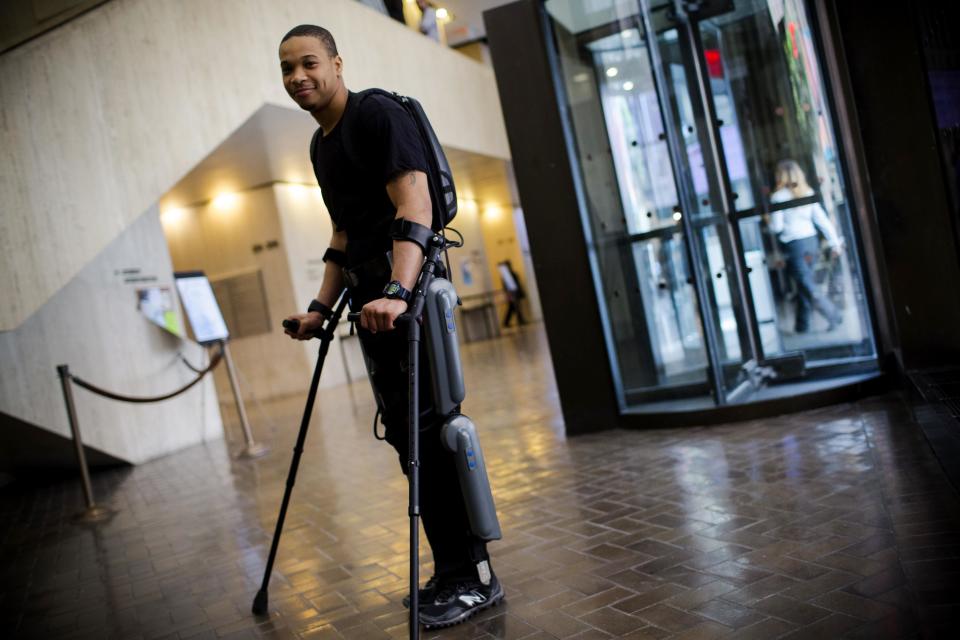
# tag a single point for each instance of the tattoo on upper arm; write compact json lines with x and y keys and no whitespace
{"x":411,"y":177}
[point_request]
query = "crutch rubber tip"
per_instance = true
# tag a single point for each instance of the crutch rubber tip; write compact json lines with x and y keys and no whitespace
{"x":260,"y":603}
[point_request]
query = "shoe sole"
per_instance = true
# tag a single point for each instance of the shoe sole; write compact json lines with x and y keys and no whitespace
{"x":466,"y":615}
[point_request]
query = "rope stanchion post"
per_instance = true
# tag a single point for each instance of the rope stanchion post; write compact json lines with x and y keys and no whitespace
{"x":93,"y":512}
{"x":252,"y":449}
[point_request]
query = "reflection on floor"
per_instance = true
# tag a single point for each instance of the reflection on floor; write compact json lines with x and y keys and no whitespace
{"x":832,"y":523}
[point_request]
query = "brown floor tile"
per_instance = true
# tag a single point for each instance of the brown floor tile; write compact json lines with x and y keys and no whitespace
{"x":559,"y":624}
{"x":833,"y":626}
{"x":767,"y":629}
{"x":670,"y":618}
{"x":855,"y":606}
{"x":596,"y":601}
{"x":704,"y":631}
{"x":655,"y":594}
{"x":612,"y":621}
{"x":729,"y":614}
{"x":791,"y":610}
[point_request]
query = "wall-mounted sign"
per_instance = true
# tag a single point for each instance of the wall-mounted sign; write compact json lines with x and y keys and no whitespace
{"x":157,"y":304}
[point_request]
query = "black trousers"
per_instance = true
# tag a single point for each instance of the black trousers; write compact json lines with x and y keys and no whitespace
{"x":456,"y":551}
{"x":513,"y":307}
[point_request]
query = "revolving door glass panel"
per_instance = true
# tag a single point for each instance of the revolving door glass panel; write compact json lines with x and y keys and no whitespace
{"x":696,"y":279}
{"x":784,"y":162}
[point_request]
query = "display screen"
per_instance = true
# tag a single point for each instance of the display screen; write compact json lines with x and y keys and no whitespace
{"x":201,"y":306}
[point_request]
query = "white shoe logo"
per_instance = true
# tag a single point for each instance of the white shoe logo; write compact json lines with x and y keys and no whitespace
{"x":472,"y":598}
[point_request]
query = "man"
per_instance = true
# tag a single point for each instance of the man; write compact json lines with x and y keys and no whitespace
{"x":364,"y":198}
{"x":511,"y":286}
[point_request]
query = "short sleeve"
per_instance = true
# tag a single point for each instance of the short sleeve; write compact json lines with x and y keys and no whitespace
{"x":392,"y":138}
{"x":330,"y":207}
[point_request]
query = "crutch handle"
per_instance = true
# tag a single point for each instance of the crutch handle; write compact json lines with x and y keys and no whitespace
{"x":293,"y":326}
{"x":353,"y":316}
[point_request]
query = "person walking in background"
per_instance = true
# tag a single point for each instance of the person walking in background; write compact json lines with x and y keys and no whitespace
{"x":395,"y":10}
{"x":796,"y":228}
{"x":428,"y":20}
{"x":511,"y":286}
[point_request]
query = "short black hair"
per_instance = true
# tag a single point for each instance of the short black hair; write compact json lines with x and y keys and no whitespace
{"x":314,"y":31}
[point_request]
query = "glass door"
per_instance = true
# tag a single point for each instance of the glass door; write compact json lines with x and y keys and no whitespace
{"x":686,"y":234}
{"x":704,"y":197}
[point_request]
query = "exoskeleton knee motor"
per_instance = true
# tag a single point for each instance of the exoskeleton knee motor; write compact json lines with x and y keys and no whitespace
{"x":459,"y":437}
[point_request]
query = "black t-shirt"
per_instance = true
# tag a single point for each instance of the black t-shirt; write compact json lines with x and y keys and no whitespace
{"x":385,"y":142}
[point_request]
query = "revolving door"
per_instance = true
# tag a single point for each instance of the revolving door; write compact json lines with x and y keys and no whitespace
{"x":715,"y":205}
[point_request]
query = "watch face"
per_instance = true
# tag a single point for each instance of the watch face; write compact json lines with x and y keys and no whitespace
{"x":392,"y":289}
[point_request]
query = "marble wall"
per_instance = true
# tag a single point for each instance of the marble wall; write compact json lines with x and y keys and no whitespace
{"x":93,"y":325}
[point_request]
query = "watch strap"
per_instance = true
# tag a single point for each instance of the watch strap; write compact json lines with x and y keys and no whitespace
{"x":395,"y":291}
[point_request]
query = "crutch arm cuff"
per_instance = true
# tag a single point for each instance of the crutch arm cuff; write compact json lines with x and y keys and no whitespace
{"x":410,"y":231}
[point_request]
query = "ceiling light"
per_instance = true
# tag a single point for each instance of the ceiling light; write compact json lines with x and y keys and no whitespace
{"x":677,"y":216}
{"x":581,"y":77}
{"x":443,"y":14}
{"x":628,"y":33}
{"x":225,"y":201}
{"x":298,"y":191}
{"x":172,"y":215}
{"x":628,"y":86}
{"x":492,"y":213}
{"x":612,"y":72}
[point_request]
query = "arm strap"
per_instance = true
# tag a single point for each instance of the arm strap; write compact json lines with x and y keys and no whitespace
{"x":319,"y":307}
{"x":403,"y":229}
{"x":335,"y":256}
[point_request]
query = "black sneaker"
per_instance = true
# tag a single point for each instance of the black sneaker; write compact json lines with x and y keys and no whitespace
{"x":457,"y":601}
{"x":426,"y":595}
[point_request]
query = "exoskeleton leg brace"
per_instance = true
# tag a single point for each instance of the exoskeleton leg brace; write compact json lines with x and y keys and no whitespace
{"x":459,"y":435}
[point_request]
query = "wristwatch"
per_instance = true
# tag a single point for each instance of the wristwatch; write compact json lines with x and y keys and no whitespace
{"x":395,"y":291}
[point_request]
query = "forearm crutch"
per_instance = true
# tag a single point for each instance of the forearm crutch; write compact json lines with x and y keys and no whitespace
{"x":326,"y":335}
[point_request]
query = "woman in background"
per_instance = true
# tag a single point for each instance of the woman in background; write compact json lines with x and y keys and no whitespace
{"x":797,"y":229}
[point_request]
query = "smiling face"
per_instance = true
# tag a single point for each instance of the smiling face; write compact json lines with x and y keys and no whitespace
{"x":311,"y":75}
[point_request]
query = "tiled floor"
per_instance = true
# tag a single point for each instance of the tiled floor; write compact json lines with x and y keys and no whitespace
{"x":828,"y":524}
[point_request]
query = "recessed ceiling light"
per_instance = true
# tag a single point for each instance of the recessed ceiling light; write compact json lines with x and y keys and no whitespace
{"x":628,"y":86}
{"x":172,"y":215}
{"x":225,"y":200}
{"x":612,"y":72}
